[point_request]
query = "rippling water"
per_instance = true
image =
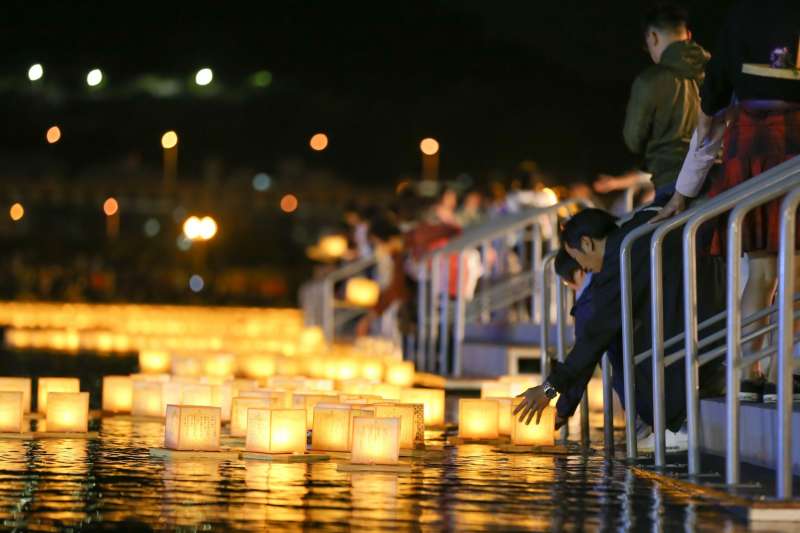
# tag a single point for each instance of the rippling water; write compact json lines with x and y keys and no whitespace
{"x":112,"y":482}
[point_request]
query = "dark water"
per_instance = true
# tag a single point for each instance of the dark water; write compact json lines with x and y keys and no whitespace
{"x":112,"y":482}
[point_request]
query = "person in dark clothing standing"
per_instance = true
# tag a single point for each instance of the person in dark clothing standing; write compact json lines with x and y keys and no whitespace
{"x":664,"y":103}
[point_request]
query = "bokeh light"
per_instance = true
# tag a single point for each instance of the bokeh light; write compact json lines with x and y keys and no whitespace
{"x":262,"y":182}
{"x":183,"y":243}
{"x":94,"y":78}
{"x":35,"y":72}
{"x":152,"y":227}
{"x":110,"y":206}
{"x":169,"y":140}
{"x":208,"y":228}
{"x":429,"y":146}
{"x":204,"y":76}
{"x":289,"y":203}
{"x":262,"y":78}
{"x":200,"y":229}
{"x":196,"y":283}
{"x":53,"y":134}
{"x":319,"y":142}
{"x":16,"y":212}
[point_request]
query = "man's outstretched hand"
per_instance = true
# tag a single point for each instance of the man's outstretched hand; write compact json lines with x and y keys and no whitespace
{"x":675,"y":206}
{"x":533,"y":404}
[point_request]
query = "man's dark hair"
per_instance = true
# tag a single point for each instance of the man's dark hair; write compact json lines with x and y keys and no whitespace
{"x":383,"y":228}
{"x":566,"y":266}
{"x":592,"y":223}
{"x":665,"y":17}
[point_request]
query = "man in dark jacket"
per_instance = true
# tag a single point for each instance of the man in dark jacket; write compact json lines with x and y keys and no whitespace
{"x":664,"y":102}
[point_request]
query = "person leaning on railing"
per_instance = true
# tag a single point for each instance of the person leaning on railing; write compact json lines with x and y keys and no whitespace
{"x":757,"y":120}
{"x":593,"y":238}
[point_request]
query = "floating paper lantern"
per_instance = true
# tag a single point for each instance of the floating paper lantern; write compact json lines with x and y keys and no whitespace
{"x":22,"y":385}
{"x":355,"y":386}
{"x":257,"y":365}
{"x":48,"y":385}
{"x":186,"y":365}
{"x":477,"y":419}
{"x":310,"y":401}
{"x":534,"y":434}
{"x":219,"y":365}
{"x":276,"y":430}
{"x":400,"y":373}
{"x":68,"y":411}
{"x":504,"y":417}
{"x":517,"y":384}
{"x":11,"y":411}
{"x":117,"y":394}
{"x":375,"y":440}
{"x":154,"y":362}
{"x":331,"y":427}
{"x":197,"y":394}
{"x":362,"y":292}
{"x":191,"y":427}
{"x":495,"y":389}
{"x":432,"y":399}
{"x":333,"y":246}
{"x":372,"y":369}
{"x":171,"y":394}
{"x":147,"y":398}
{"x":239,"y":385}
{"x":408,"y":428}
{"x":239,"y":408}
{"x":386,"y":391}
{"x":222,"y":397}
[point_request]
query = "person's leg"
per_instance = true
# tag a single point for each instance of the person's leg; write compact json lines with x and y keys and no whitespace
{"x":758,"y":294}
{"x":772,"y":373}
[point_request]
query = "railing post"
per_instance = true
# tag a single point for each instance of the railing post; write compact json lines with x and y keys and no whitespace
{"x":608,"y":405}
{"x":733,"y":370}
{"x":327,"y":310}
{"x":422,"y":308}
{"x":657,"y":326}
{"x":690,"y":329}
{"x":536,"y":262}
{"x":545,"y":324}
{"x":561,"y":337}
{"x":458,"y":318}
{"x":444,"y":313}
{"x":585,"y":418}
{"x":786,"y":288}
{"x":484,"y":281}
{"x":434,"y":316}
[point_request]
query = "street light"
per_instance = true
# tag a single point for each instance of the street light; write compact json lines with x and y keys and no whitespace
{"x":429,"y":146}
{"x":169,"y":142}
{"x":16,"y":212}
{"x":318,"y":142}
{"x":204,"y":76}
{"x":430,"y":158}
{"x":94,"y":77}
{"x":53,"y":134}
{"x":36,"y":72}
{"x":200,"y":229}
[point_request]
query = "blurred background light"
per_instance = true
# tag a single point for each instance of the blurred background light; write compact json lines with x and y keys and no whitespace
{"x":429,"y":146}
{"x":191,"y":228}
{"x":16,"y":212}
{"x":262,"y":78}
{"x":151,"y":227}
{"x":169,"y":140}
{"x":196,"y":283}
{"x":203,"y":76}
{"x":110,"y":206}
{"x":319,"y":142}
{"x":35,"y":72}
{"x":289,"y":203}
{"x":183,"y":243}
{"x":208,"y":228}
{"x":262,"y":182}
{"x":53,"y":134}
{"x":94,"y":78}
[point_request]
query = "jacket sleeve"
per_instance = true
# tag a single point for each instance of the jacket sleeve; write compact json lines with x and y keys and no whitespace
{"x":639,"y":115}
{"x":570,"y":399}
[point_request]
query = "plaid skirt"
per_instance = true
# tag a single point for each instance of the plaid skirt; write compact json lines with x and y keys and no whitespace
{"x":754,"y":143}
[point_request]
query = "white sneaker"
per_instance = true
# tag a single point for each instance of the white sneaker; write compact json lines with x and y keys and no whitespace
{"x":675,"y":442}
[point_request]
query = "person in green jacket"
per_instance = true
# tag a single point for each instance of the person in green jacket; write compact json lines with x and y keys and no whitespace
{"x":665,"y":98}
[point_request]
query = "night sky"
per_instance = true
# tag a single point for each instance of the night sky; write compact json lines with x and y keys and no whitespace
{"x":495,"y":82}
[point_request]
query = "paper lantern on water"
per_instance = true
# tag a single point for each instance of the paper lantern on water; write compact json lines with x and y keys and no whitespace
{"x":147,"y":399}
{"x":219,"y":365}
{"x":432,"y":399}
{"x":386,"y":391}
{"x":477,"y":419}
{"x":362,"y":292}
{"x":154,"y":362}
{"x":48,"y":385}
{"x":331,"y":427}
{"x":11,"y":411}
{"x":504,"y":418}
{"x":276,"y":430}
{"x":171,"y":394}
{"x":310,"y":401}
{"x":68,"y":411}
{"x":191,"y":427}
{"x":517,"y":384}
{"x":196,"y":394}
{"x":495,"y":389}
{"x":400,"y":373}
{"x":22,"y":385}
{"x":257,"y":365}
{"x":222,"y":396}
{"x":375,"y":440}
{"x":117,"y":394}
{"x":408,"y":428}
{"x":239,"y":385}
{"x":541,"y":434}
{"x":186,"y":365}
{"x":239,"y":407}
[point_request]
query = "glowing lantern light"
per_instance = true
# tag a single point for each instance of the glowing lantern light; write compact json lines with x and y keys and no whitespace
{"x":219,"y":365}
{"x":387,"y":391}
{"x":375,"y":440}
{"x":192,"y":428}
{"x":504,"y":417}
{"x":405,"y":413}
{"x":400,"y":373}
{"x":222,"y":397}
{"x":541,"y":434}
{"x":53,"y":134}
{"x":332,"y":426}
{"x":276,"y":430}
{"x":520,"y":383}
{"x":239,"y":408}
{"x":257,"y":365}
{"x":595,"y":391}
{"x":477,"y":419}
{"x":196,"y":394}
{"x":68,"y":411}
{"x":11,"y":411}
{"x":289,"y":203}
{"x":117,"y":394}
{"x":362,"y":292}
{"x":147,"y":399}
{"x":154,"y":362}
{"x":169,"y":140}
{"x":110,"y":207}
{"x":22,"y":385}
{"x":333,"y":246}
{"x":318,"y":142}
{"x":429,"y":146}
{"x":432,"y":399}
{"x":94,"y":78}
{"x":495,"y":389}
{"x":204,"y":76}
{"x":372,"y":369}
{"x":35,"y":72}
{"x":186,"y":366}
{"x":310,"y":401}
{"x":48,"y":385}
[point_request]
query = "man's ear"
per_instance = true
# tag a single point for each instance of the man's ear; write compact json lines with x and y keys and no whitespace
{"x":586,"y":243}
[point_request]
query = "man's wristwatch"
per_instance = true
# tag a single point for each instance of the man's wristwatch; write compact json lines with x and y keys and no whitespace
{"x":549,"y":390}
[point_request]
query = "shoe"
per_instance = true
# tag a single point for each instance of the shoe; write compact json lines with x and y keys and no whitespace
{"x":751,"y":390}
{"x":675,"y":442}
{"x":771,"y":391}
